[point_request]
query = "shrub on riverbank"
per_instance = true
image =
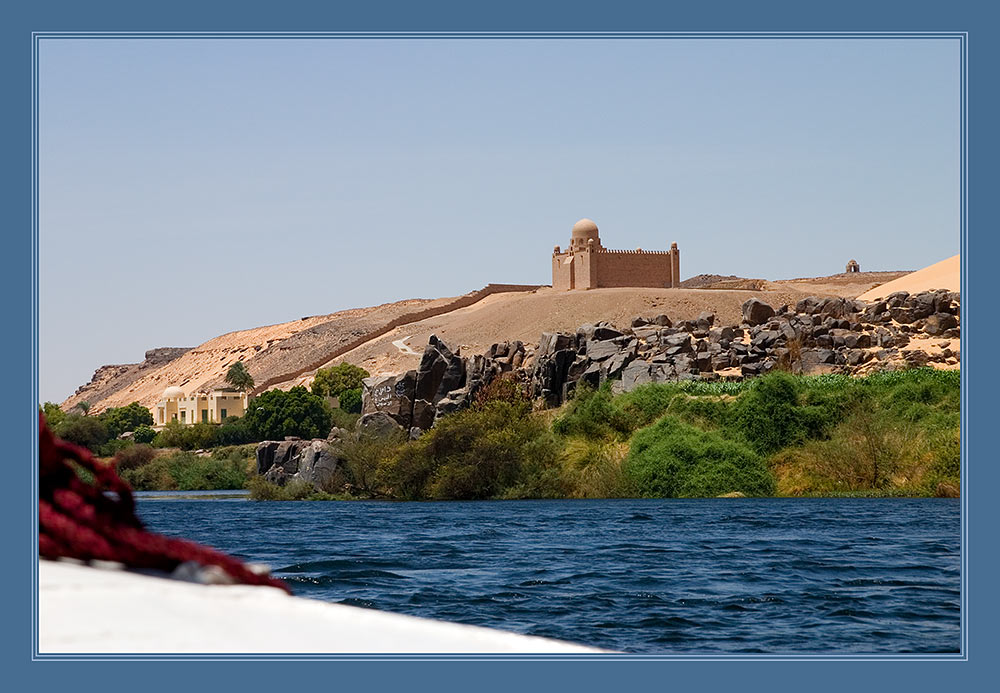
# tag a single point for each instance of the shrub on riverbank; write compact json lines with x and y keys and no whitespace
{"x":276,"y":414}
{"x":897,"y":433}
{"x":472,"y":454}
{"x":672,"y":459}
{"x":185,"y":471}
{"x":133,"y":457}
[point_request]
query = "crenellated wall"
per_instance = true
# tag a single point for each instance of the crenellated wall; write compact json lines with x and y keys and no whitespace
{"x":633,"y":268}
{"x":596,"y":268}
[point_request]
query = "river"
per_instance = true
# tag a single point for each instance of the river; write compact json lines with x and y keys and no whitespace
{"x":780,"y":576}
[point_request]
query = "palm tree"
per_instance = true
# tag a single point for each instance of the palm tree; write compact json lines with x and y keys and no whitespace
{"x":239,"y":377}
{"x":84,"y":406}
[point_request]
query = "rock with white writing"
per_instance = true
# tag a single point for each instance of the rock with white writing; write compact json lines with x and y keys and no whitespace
{"x":390,"y":394}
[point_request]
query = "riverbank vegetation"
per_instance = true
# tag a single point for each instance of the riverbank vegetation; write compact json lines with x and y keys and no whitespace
{"x":179,"y":470}
{"x":893,"y":433}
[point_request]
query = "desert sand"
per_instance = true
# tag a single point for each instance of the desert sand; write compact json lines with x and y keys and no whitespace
{"x":941,"y":275}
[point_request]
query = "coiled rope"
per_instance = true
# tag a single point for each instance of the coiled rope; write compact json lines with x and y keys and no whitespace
{"x":82,"y":521}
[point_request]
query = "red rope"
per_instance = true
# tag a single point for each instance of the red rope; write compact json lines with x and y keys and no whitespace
{"x":80,"y":520}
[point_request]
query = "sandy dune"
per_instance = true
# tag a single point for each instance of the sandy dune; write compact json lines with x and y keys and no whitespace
{"x":941,"y":275}
{"x":263,"y":349}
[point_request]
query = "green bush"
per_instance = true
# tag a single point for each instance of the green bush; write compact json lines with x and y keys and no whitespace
{"x":593,"y":414}
{"x":350,"y":400}
{"x":121,"y":419}
{"x":185,"y":471}
{"x":88,"y":431}
{"x":343,"y":419}
{"x":234,"y":431}
{"x":331,"y":382}
{"x":134,"y":457}
{"x":276,"y":414}
{"x":770,"y":417}
{"x":705,"y":412}
{"x":471,"y":454}
{"x":890,"y":433}
{"x":589,"y":469}
{"x":199,"y":436}
{"x":143,"y":434}
{"x":113,"y":447}
{"x":53,"y":414}
{"x":647,"y":403}
{"x":363,"y":455}
{"x":671,"y":459}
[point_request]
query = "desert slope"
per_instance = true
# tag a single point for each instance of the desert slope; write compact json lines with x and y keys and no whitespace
{"x":946,"y":274}
{"x":389,"y":337}
{"x":525,"y":316}
{"x":206,"y":364}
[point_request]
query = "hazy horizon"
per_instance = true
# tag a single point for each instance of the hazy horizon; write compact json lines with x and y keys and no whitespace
{"x":189,"y":188}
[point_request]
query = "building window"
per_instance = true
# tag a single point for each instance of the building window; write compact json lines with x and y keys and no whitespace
{"x":182,"y":415}
{"x":222,"y":414}
{"x":161,"y":416}
{"x":204,"y":415}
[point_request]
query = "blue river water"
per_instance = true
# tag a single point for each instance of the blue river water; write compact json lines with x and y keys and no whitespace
{"x":780,"y":576}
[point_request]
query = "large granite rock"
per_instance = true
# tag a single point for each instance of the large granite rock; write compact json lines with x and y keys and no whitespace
{"x":440,"y":372}
{"x":756,"y":312}
{"x":392,"y":395}
{"x":313,"y":461}
{"x":378,"y":425}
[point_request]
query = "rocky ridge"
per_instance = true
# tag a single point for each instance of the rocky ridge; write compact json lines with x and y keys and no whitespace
{"x":816,"y":335}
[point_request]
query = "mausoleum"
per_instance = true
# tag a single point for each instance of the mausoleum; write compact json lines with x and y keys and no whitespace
{"x":587,"y":264}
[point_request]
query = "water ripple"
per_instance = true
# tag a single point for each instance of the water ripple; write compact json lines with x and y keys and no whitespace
{"x":776,"y":576}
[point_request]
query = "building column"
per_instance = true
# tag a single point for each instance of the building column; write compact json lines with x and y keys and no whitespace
{"x":675,"y":266}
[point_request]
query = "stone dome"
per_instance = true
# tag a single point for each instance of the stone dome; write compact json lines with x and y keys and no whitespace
{"x":585,"y":228}
{"x":584,"y":231}
{"x":173,"y":392}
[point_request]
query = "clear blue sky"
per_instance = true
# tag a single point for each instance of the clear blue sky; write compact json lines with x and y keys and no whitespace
{"x":190,"y":188}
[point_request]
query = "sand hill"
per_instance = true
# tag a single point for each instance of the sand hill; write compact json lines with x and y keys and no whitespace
{"x":389,"y":338}
{"x":941,"y":275}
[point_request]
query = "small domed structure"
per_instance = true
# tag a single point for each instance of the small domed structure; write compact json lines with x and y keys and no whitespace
{"x":585,"y":228}
{"x":173,"y":392}
{"x":585,"y":231}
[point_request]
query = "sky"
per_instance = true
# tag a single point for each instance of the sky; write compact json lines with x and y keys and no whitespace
{"x":188,"y":188}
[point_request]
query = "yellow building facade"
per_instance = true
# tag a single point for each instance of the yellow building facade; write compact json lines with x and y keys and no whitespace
{"x":199,"y":407}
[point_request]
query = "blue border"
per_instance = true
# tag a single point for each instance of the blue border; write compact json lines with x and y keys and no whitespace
{"x":38,"y":37}
{"x":977,"y":568}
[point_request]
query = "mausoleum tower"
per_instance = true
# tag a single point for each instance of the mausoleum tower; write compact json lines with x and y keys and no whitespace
{"x":586,"y":264}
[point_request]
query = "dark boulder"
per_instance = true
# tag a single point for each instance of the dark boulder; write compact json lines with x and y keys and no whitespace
{"x":378,"y":425}
{"x":635,"y":374}
{"x":680,"y":342}
{"x":756,"y":312}
{"x":938,"y":323}
{"x":600,"y":350}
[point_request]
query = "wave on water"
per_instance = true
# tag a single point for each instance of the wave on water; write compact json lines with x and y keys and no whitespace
{"x":797,"y":576}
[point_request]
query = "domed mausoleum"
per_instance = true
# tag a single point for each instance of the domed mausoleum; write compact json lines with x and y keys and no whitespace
{"x":586,"y":264}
